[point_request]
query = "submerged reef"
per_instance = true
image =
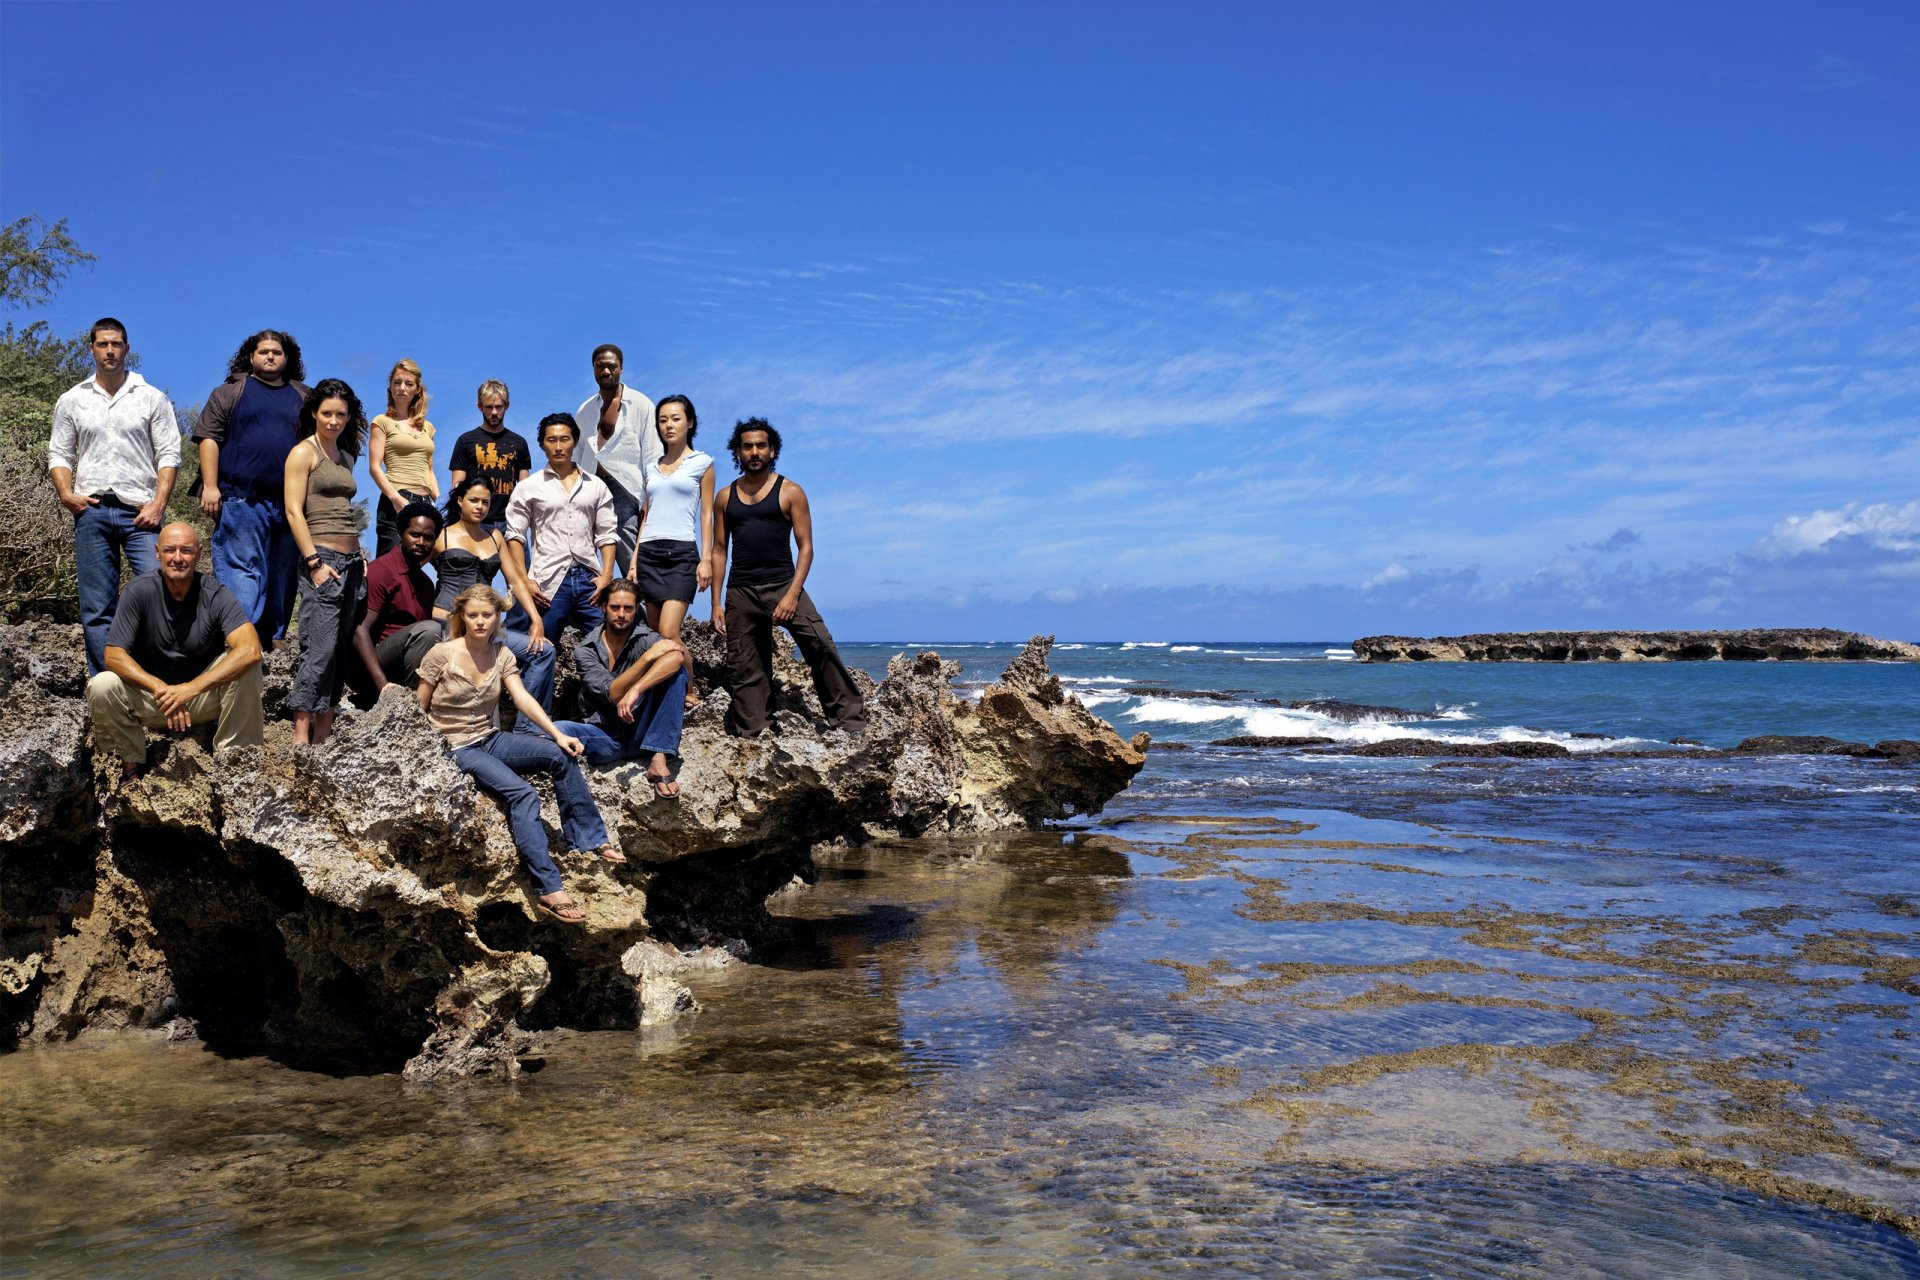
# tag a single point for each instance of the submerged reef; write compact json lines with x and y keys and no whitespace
{"x":360,"y":906}
{"x":1780,"y":644}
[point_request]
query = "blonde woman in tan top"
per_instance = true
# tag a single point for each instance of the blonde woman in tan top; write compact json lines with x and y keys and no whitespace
{"x":461,"y":682}
{"x":325,"y":524}
{"x":400,"y":452}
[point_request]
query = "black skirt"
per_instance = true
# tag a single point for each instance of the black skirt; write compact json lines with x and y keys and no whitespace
{"x":668,"y":571}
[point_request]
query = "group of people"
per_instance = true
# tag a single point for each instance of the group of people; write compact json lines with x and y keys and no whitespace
{"x":614,"y":536}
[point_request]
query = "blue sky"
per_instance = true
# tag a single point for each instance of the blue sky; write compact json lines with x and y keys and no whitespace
{"x":1123,"y":321}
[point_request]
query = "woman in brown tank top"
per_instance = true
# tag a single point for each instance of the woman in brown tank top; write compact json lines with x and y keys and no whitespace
{"x":326,"y":527}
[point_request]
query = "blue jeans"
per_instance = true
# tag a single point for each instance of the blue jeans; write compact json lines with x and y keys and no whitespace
{"x":101,"y":535}
{"x":536,"y":672}
{"x":254,"y":557}
{"x":572,"y":602}
{"x":656,"y":725}
{"x":496,"y":763}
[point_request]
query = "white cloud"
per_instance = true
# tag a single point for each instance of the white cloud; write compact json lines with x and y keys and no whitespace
{"x":1881,"y":526}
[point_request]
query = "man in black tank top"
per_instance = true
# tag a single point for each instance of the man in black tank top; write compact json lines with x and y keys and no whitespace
{"x":757,"y":513}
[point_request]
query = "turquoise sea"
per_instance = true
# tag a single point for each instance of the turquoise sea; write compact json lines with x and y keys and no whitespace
{"x":1270,"y":1013}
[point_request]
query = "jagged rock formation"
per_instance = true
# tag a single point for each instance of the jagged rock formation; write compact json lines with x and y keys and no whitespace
{"x":361,"y":905}
{"x":1787,"y":644}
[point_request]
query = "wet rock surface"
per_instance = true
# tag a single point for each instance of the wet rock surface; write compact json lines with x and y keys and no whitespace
{"x":1785,"y":644}
{"x":361,"y":905}
{"x":1429,"y":747}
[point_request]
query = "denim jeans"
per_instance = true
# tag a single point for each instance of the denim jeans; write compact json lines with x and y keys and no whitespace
{"x":657,"y":717}
{"x":626,"y":515}
{"x":101,"y":535}
{"x":496,"y":763}
{"x":572,"y":603}
{"x":536,"y":672}
{"x":254,"y":556}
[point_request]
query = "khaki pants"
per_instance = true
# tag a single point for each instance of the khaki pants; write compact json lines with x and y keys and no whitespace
{"x":122,"y":714}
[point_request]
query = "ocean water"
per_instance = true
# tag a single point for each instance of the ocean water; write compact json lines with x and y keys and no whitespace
{"x":1269,"y":1013}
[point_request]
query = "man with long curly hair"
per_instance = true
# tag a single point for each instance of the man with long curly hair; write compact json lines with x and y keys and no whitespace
{"x":248,"y":427}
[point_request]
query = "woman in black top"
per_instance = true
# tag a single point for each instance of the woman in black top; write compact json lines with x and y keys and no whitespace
{"x":470,"y":552}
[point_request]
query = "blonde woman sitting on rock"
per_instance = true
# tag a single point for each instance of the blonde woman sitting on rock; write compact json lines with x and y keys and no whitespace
{"x":460,"y":685}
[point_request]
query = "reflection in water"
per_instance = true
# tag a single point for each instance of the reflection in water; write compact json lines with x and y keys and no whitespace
{"x":1236,"y":1046}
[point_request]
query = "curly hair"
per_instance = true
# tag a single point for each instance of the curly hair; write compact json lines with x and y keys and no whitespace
{"x":460,"y":491}
{"x":752,"y":424}
{"x":418,"y":508}
{"x":334,"y":389}
{"x":686,"y":405}
{"x":242,"y":363}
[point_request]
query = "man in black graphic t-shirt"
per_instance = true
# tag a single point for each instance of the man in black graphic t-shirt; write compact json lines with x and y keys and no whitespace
{"x":492,"y":452}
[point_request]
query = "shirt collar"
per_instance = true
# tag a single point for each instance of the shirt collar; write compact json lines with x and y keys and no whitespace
{"x":133,"y":380}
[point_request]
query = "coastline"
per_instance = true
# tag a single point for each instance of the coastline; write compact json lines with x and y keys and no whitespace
{"x":1776,"y":644}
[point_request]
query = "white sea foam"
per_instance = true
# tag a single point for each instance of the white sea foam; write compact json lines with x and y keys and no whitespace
{"x":1455,"y":713}
{"x":1230,"y":719}
{"x":1147,"y":644}
{"x":1090,"y":699}
{"x":1283,"y":659}
{"x":1184,"y":648}
{"x":1339,"y":655}
{"x":1096,"y":680}
{"x":1064,"y":647}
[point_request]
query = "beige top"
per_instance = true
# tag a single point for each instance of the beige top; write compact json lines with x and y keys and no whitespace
{"x":409,"y":459}
{"x":459,"y":707}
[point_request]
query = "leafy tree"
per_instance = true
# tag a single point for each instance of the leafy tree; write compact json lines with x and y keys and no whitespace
{"x":36,"y":535}
{"x":34,"y":259}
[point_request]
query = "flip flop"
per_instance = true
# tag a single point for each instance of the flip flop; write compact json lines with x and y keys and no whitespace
{"x":609,"y":852}
{"x":660,"y":781}
{"x":568,"y":912}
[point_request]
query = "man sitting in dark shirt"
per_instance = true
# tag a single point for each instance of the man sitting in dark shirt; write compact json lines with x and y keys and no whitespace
{"x":633,"y":691}
{"x":180,"y":652}
{"x":399,"y":626}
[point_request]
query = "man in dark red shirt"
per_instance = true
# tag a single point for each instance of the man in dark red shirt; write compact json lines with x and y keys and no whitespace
{"x":399,"y":627}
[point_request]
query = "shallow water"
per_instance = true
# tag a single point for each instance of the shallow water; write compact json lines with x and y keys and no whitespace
{"x":1268,"y":1014}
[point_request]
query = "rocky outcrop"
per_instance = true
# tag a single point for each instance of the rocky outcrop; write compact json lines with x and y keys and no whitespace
{"x":361,"y":905}
{"x":1801,"y":745}
{"x":1522,"y":750}
{"x":1789,"y":644}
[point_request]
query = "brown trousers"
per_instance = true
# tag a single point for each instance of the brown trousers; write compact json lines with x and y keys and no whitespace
{"x":750,"y":660}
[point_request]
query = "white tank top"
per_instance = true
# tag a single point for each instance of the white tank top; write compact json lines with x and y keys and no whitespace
{"x":673,"y":499}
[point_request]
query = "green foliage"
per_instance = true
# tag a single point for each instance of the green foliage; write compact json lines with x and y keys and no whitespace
{"x":36,"y":537}
{"x":34,"y":259}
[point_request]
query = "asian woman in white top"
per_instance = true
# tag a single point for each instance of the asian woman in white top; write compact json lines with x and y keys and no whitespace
{"x":668,"y":564}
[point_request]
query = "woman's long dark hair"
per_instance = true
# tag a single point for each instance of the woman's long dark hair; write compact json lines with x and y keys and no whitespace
{"x":460,"y":491}
{"x":334,"y":389}
{"x":242,"y":363}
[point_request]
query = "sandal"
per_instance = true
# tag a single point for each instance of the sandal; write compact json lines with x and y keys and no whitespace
{"x":661,"y":782}
{"x":609,"y":852}
{"x":566,"y":912}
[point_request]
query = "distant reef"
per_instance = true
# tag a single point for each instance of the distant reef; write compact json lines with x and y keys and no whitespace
{"x":1777,"y":644}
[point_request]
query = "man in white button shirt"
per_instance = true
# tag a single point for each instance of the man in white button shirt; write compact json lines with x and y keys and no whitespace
{"x":114,"y":452}
{"x":560,"y":527}
{"x":617,"y":441}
